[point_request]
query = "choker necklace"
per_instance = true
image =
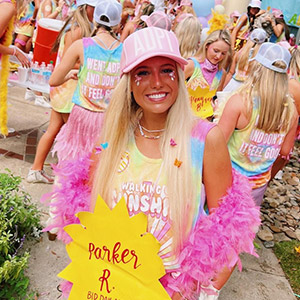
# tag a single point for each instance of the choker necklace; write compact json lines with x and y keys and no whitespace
{"x":141,"y":128}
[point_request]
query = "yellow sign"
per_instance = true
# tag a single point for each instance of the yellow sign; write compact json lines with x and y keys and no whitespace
{"x":113,"y":257}
{"x":201,"y":102}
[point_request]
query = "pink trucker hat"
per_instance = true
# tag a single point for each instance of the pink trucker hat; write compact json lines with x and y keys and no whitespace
{"x":157,"y":19}
{"x":149,"y":42}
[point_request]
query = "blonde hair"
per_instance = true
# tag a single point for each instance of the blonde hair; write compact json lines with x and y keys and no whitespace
{"x":188,"y":33}
{"x":187,"y":10}
{"x":79,"y":19}
{"x":276,"y":105}
{"x":243,"y":60}
{"x":294,"y":69}
{"x":120,"y":123}
{"x":218,"y":35}
{"x":20,"y":7}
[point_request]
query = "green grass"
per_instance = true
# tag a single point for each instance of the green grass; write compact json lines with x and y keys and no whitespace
{"x":290,"y":262}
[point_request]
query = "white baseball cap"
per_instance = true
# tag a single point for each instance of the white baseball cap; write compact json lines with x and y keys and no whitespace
{"x":255,"y":4}
{"x":111,"y":9}
{"x":269,"y":53}
{"x":88,"y":2}
{"x":258,"y":36}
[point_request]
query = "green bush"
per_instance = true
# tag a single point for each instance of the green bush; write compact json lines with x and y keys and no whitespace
{"x":19,"y":221}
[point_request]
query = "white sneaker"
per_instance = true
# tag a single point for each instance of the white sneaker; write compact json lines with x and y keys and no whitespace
{"x":29,"y":95}
{"x":42,"y":101}
{"x":39,"y":176}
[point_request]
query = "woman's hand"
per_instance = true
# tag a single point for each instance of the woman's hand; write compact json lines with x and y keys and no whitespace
{"x":22,"y":58}
{"x":72,"y":75}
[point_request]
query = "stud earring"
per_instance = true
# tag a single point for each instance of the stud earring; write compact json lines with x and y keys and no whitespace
{"x":172,"y":75}
{"x":137,"y":79}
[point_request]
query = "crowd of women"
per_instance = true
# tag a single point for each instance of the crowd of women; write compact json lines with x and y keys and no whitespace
{"x":141,"y":96}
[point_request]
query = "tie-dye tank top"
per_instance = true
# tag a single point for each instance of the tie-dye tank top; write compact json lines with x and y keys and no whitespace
{"x":61,"y":95}
{"x":253,"y":151}
{"x":142,"y":182}
{"x":98,"y":76}
{"x":200,"y":92}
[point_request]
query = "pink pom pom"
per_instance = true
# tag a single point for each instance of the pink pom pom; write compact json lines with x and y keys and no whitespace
{"x":217,"y":240}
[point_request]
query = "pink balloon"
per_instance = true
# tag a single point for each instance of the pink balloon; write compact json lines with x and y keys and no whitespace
{"x":218,"y":2}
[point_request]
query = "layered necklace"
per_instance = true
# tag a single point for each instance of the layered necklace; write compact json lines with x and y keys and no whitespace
{"x":151,"y":137}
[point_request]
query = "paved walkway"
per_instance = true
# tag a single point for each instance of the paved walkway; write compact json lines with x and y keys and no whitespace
{"x":261,"y":279}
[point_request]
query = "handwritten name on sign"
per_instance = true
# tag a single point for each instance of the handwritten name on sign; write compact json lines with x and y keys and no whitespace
{"x":113,"y":257}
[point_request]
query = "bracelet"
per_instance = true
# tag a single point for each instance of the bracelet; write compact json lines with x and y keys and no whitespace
{"x":182,"y":296}
{"x":58,"y":9}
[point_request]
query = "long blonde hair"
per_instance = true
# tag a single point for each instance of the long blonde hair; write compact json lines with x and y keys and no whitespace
{"x":120,"y":123}
{"x":243,"y":60}
{"x":276,"y":105}
{"x":218,"y":35}
{"x":78,"y":18}
{"x":294,"y":69}
{"x":188,"y":33}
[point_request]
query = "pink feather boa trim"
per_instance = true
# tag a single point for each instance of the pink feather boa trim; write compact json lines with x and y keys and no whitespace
{"x":217,"y":240}
{"x":71,"y":194}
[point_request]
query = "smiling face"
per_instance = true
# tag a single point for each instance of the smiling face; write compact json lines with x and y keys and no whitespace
{"x":217,"y":51}
{"x":154,"y":84}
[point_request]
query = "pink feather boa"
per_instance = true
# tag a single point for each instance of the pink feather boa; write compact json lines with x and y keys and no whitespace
{"x":71,"y":194}
{"x":217,"y":240}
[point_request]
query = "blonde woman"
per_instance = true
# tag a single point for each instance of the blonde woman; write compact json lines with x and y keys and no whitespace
{"x":188,"y":33}
{"x":259,"y":123}
{"x":158,"y":156}
{"x":238,"y":71}
{"x":205,"y":72}
{"x":76,"y":27}
{"x":163,"y":149}
{"x":25,"y":25}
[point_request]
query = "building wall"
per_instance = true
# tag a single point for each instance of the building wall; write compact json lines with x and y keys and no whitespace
{"x":239,"y":5}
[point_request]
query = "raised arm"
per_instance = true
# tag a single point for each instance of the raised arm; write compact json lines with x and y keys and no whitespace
{"x":241,"y":22}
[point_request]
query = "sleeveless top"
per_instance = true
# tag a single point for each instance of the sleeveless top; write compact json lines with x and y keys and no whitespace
{"x":142,"y":182}
{"x":61,"y":95}
{"x":244,"y":31}
{"x":200,"y":92}
{"x":275,"y":39}
{"x":253,"y":151}
{"x":98,"y":76}
{"x":26,"y":15}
